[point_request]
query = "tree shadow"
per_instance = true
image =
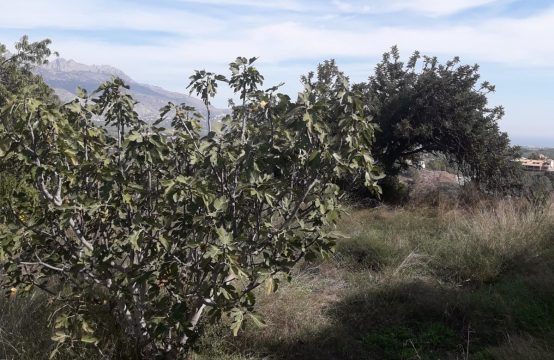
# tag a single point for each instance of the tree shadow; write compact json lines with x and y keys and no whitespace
{"x":422,"y":319}
{"x":396,"y":322}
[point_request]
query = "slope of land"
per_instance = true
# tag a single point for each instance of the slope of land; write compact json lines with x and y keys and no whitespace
{"x":64,"y":76}
{"x":528,"y":151}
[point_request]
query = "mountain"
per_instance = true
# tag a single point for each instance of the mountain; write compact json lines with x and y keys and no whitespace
{"x":64,"y":76}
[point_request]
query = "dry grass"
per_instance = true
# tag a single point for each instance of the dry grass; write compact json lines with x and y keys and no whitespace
{"x":20,"y":337}
{"x":485,"y":241}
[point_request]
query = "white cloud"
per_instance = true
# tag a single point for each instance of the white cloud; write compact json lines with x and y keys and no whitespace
{"x":352,"y":7}
{"x":437,"y":8}
{"x":427,"y":7}
{"x":505,"y":41}
{"x":293,"y":5}
{"x":102,"y":14}
{"x":106,"y":14}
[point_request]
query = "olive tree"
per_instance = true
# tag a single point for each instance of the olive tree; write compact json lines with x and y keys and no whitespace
{"x":149,"y":230}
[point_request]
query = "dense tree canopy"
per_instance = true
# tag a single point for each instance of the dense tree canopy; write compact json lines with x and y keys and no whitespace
{"x":425,"y":106}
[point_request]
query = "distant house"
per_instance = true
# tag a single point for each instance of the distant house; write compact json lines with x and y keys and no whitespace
{"x":541,"y":165}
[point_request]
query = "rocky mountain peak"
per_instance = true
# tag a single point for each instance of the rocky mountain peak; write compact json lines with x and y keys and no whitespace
{"x":61,"y":65}
{"x":64,"y":76}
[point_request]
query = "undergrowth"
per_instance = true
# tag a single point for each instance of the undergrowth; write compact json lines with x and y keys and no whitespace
{"x":406,"y":283}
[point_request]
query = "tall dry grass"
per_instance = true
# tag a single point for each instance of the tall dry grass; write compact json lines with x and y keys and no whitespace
{"x":455,"y":243}
{"x":22,"y":328}
{"x":482,"y":242}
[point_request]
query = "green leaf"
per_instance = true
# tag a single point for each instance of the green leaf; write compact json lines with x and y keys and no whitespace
{"x":89,"y":339}
{"x":220,"y":203}
{"x":59,"y":336}
{"x":269,"y":199}
{"x":224,"y":236}
{"x":86,"y":327}
{"x":237,"y":317}
{"x":133,"y":240}
{"x":61,"y":321}
{"x":270,"y":285}
{"x":5,"y":144}
{"x":308,"y":119}
{"x":257,"y":319}
{"x":126,"y":198}
{"x":134,"y":136}
{"x":164,"y":242}
{"x":81,"y":93}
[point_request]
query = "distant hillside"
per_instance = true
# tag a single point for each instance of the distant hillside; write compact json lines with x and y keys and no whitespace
{"x":548,"y":152}
{"x":66,"y":75}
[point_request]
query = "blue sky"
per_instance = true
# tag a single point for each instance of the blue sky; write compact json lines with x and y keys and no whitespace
{"x":161,"y":42}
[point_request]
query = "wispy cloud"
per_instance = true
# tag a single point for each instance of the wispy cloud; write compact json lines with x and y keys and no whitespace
{"x":508,"y":41}
{"x":103,"y":14}
{"x":200,"y":36}
{"x":428,"y":7}
{"x":291,"y":5}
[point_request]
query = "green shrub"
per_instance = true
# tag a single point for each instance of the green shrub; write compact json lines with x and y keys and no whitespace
{"x":157,"y":229}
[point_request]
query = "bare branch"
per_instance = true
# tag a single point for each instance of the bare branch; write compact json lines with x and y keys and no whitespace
{"x":80,"y":235}
{"x":42,"y":263}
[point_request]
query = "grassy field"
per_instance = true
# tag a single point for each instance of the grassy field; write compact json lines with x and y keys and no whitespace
{"x":415,"y":284}
{"x":407,"y":283}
